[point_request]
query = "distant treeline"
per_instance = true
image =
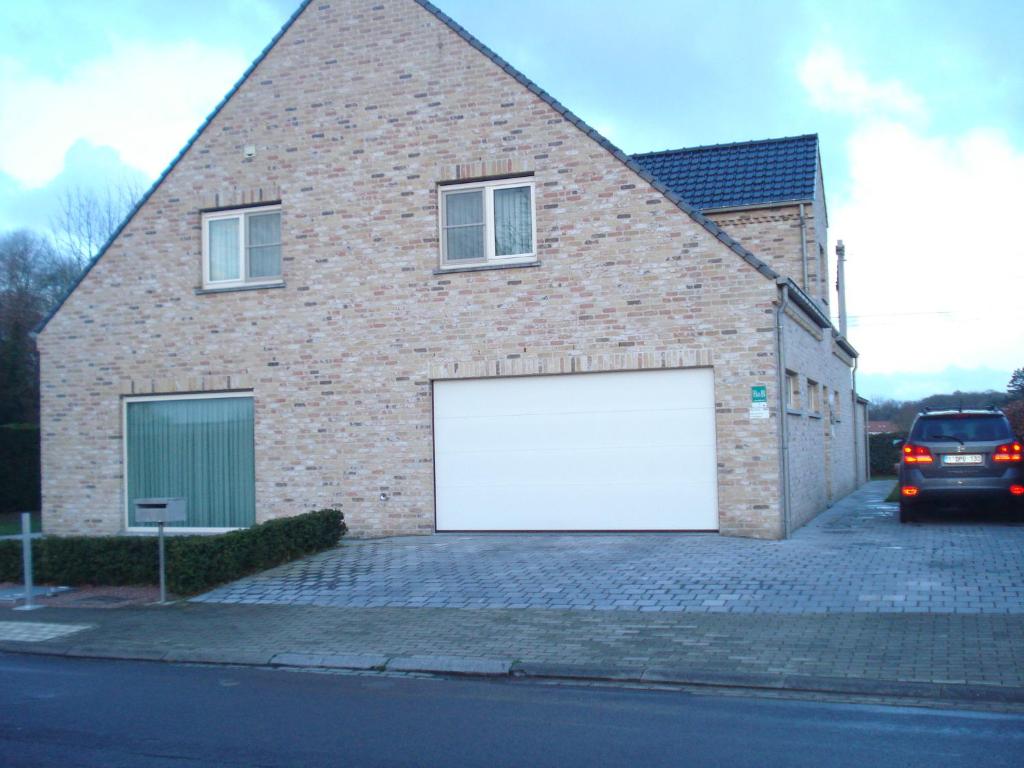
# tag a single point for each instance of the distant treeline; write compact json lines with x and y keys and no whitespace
{"x":902,"y":412}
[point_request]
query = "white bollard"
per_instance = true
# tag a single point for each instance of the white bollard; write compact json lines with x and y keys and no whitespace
{"x":26,"y":559}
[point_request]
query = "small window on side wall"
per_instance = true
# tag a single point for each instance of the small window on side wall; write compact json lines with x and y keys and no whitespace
{"x":792,"y":391}
{"x":487,"y":223}
{"x":242,"y":247}
{"x":813,"y":396}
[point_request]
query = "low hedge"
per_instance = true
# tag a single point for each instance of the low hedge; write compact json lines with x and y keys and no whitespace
{"x":194,"y":563}
{"x":884,"y":455}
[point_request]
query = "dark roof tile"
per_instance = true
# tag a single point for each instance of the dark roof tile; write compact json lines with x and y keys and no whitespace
{"x":734,"y":175}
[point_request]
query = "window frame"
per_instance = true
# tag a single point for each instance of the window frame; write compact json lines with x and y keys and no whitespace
{"x":793,"y":391}
{"x":125,"y":401}
{"x":488,"y":187}
{"x":814,"y":398}
{"x":242,"y":215}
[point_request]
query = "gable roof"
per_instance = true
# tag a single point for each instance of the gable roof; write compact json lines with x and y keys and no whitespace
{"x":740,"y":174}
{"x":670,"y":194}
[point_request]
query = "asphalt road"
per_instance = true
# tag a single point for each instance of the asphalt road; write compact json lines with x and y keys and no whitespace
{"x":65,"y":712}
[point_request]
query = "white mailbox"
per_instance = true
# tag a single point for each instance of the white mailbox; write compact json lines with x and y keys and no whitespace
{"x":170,"y":510}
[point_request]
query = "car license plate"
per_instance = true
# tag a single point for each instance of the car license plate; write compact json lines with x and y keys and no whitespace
{"x":962,"y":458}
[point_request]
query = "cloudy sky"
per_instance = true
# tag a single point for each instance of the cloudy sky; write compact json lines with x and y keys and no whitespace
{"x":919,"y":106}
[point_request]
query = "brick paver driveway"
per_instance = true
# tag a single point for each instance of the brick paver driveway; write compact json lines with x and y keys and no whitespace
{"x":855,"y":558}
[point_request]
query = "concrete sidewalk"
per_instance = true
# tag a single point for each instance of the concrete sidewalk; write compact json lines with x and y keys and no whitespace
{"x":943,"y":656}
{"x":948,"y":623}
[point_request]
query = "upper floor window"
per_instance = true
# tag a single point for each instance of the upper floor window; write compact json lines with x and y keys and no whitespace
{"x":488,"y":222}
{"x":242,"y":247}
{"x":813,"y":396}
{"x":792,"y":391}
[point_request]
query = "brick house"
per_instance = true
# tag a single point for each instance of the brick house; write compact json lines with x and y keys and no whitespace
{"x":391,"y":274}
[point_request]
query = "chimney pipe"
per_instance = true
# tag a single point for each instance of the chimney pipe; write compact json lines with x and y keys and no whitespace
{"x":841,"y":285}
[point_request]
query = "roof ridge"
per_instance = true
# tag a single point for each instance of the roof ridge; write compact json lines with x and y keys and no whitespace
{"x":727,"y":145}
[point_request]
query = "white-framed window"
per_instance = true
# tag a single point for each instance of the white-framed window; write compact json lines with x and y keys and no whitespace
{"x":487,"y":222}
{"x":813,"y":396}
{"x":242,"y":247}
{"x":792,"y":391}
{"x":200,"y":447}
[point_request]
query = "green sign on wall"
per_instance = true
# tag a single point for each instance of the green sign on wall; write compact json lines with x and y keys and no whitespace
{"x":759,"y":402}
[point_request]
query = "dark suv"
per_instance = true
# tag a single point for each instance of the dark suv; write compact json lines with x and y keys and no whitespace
{"x":955,"y":456}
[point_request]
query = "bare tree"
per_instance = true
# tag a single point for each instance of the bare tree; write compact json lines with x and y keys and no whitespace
{"x":87,"y":217}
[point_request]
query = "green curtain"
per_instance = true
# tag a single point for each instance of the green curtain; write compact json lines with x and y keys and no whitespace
{"x":200,"y":449}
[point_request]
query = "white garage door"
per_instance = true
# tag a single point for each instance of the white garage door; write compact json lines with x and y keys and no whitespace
{"x":589,"y":452}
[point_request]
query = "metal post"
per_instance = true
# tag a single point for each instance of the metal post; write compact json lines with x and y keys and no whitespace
{"x":163,"y":577}
{"x":26,"y":559}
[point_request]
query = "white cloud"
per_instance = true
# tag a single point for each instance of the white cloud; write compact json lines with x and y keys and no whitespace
{"x":835,"y":86}
{"x":143,"y":100}
{"x":935,"y":267}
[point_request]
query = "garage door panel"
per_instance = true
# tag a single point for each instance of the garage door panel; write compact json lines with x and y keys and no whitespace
{"x":610,"y":451}
{"x":592,"y":464}
{"x":624,"y":428}
{"x":587,"y":507}
{"x":522,"y":395}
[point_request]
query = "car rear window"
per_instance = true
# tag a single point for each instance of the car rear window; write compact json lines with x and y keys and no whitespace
{"x":938,"y":429}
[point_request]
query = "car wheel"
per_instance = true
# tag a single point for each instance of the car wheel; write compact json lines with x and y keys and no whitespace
{"x":906,"y":513}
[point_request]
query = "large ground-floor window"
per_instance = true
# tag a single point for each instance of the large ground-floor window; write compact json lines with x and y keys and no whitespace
{"x":199,"y":448}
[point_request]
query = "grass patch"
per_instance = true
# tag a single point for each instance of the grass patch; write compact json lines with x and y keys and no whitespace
{"x":894,"y":494}
{"x":10,"y":523}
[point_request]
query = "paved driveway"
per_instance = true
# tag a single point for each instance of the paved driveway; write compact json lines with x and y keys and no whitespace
{"x":855,"y":558}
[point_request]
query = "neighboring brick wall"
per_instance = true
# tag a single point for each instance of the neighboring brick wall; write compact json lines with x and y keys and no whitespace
{"x":773,"y":233}
{"x":356,"y":115}
{"x":822,"y":466}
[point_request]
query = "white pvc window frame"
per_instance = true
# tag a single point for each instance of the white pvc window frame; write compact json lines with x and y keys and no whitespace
{"x":241,"y":215}
{"x":125,"y":401}
{"x":488,"y":188}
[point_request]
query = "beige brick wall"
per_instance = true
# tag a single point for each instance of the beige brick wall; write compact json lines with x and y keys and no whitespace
{"x":773,"y":233}
{"x":356,"y":115}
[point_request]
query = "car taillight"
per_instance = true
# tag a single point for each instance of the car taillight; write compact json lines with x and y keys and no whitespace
{"x":916,"y":454}
{"x":908,"y":490}
{"x":1017,"y":490}
{"x":1008,"y":452}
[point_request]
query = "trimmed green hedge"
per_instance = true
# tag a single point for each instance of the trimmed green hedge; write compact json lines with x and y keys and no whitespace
{"x":884,"y":455}
{"x":194,"y":563}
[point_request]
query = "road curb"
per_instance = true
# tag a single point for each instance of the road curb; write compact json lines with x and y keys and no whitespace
{"x":490,"y":668}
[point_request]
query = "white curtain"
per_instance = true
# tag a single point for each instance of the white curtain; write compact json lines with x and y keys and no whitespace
{"x":464,"y":226}
{"x":265,"y":245}
{"x":513,"y":227}
{"x":223,"y":244}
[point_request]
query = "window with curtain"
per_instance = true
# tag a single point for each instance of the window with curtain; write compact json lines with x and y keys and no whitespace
{"x":487,"y":222}
{"x":201,"y":449}
{"x":242,"y":247}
